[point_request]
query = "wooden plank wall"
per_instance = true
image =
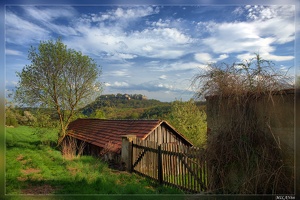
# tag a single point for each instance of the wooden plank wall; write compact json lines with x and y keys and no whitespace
{"x":163,"y":135}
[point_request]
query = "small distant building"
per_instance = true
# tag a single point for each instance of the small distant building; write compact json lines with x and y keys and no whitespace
{"x":127,"y":96}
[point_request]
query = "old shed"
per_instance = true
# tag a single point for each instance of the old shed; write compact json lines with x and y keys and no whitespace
{"x":101,"y":134}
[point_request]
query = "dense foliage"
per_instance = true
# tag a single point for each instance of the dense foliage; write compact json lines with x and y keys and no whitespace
{"x":189,"y":120}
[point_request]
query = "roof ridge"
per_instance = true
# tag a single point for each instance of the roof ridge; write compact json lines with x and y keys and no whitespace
{"x":121,"y":119}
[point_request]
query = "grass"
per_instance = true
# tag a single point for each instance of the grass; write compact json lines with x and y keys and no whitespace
{"x":35,"y":167}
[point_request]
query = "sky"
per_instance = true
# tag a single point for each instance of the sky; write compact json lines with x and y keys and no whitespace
{"x":154,"y":50}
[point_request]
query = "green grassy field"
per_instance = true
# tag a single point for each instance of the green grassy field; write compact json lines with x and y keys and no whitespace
{"x":35,"y":166}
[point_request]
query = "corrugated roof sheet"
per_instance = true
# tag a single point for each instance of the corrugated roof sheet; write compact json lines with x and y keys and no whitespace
{"x":100,"y":132}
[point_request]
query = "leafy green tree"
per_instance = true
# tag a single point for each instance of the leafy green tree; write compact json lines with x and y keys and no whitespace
{"x":189,"y":120}
{"x":60,"y":78}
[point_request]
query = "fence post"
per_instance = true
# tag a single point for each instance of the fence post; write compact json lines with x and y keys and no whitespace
{"x":159,"y":162}
{"x":126,"y":152}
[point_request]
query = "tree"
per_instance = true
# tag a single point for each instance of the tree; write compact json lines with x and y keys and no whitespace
{"x":99,"y":114}
{"x":60,"y":78}
{"x":189,"y":120}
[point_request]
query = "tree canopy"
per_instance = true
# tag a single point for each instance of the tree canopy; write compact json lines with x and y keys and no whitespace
{"x":58,"y":77}
{"x":189,"y":120}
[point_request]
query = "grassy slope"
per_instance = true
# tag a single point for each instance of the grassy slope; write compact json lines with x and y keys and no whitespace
{"x":32,"y":167}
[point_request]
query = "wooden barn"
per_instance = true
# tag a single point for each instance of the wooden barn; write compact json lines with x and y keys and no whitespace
{"x":103,"y":136}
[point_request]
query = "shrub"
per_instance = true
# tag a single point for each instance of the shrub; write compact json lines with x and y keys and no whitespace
{"x":10,"y":119}
{"x":72,"y":148}
{"x":242,"y":156}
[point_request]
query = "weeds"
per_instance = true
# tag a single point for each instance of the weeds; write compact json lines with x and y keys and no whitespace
{"x":72,"y":148}
{"x":242,"y":153}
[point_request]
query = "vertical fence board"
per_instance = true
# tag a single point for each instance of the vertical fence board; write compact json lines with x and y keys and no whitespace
{"x":177,"y":165}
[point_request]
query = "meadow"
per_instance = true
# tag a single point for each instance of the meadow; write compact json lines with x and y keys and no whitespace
{"x":35,"y":166}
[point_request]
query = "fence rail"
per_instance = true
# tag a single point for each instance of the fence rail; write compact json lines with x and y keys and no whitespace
{"x":172,"y":164}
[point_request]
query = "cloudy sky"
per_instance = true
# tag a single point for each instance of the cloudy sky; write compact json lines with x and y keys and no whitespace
{"x":153,"y":50}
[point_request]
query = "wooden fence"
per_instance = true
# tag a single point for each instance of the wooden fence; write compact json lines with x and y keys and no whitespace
{"x":172,"y":164}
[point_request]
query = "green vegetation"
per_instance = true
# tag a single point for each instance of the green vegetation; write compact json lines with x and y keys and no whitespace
{"x":189,"y":120}
{"x":33,"y":167}
{"x":125,"y":106}
{"x":59,"y":78}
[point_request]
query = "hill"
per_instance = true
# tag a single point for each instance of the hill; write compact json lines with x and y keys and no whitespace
{"x":126,"y":106}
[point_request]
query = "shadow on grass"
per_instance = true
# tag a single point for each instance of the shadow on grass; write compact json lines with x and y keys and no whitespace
{"x":29,"y":145}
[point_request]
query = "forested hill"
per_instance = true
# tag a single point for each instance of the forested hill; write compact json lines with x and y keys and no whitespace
{"x":126,"y":106}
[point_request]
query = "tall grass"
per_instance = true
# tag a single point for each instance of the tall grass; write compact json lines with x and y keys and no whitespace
{"x":35,"y":167}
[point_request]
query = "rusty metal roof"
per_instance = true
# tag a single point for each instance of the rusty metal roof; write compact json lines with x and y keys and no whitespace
{"x":100,"y":132}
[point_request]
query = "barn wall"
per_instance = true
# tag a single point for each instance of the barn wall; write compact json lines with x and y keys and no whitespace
{"x":162,"y":134}
{"x":278,"y":115}
{"x":274,"y":115}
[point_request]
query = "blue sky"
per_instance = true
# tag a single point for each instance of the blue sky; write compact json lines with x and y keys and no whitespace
{"x":154,"y":50}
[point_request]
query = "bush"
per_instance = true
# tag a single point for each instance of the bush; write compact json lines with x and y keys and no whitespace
{"x":10,"y":118}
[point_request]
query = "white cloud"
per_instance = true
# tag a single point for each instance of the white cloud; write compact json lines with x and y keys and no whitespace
{"x":222,"y":57}
{"x":126,"y":56}
{"x":45,"y":17}
{"x":13,"y":52}
{"x":261,"y":13}
{"x":124,"y":14}
{"x":161,"y":23}
{"x":164,"y":43}
{"x":179,"y":66}
{"x":166,"y":86}
{"x":251,"y":37}
{"x":107,"y":38}
{"x":134,"y":12}
{"x":268,"y":26}
{"x":48,"y":14}
{"x":163,"y":77}
{"x":266,"y":56}
{"x":20,"y":31}
{"x":129,"y":40}
{"x":203,"y":57}
{"x":117,"y":84}
{"x":119,"y":73}
{"x":282,"y":31}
